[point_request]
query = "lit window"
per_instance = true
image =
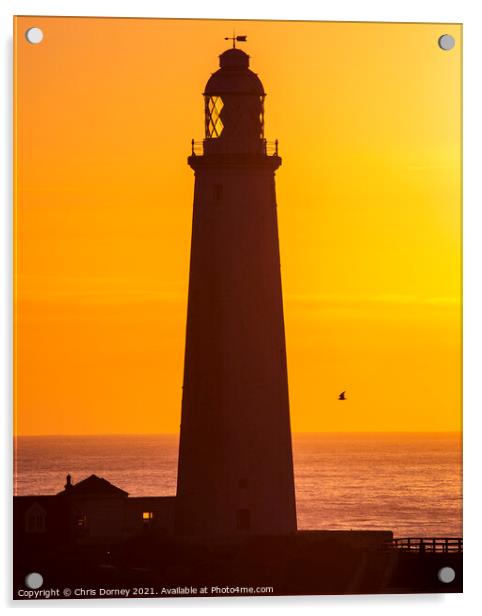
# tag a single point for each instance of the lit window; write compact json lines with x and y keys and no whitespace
{"x":147,"y":516}
{"x":81,"y":520}
{"x":214,"y":125}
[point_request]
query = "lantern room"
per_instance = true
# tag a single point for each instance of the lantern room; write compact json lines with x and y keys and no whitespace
{"x":234,"y":107}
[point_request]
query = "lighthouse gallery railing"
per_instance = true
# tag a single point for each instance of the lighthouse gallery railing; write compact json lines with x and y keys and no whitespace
{"x":270,"y":147}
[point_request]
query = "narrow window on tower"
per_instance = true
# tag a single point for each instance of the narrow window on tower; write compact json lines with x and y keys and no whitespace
{"x":243,"y":519}
{"x":218,"y":192}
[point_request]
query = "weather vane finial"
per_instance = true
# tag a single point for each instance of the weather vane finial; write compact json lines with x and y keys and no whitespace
{"x":240,"y":38}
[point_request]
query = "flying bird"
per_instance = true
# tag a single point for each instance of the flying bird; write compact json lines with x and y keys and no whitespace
{"x":342,"y":396}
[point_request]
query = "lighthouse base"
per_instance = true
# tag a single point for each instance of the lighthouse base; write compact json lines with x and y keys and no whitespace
{"x":301,"y":563}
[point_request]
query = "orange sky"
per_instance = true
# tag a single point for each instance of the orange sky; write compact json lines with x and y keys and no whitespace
{"x":368,"y":120}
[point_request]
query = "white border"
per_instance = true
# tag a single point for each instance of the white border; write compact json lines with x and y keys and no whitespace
{"x":460,"y":11}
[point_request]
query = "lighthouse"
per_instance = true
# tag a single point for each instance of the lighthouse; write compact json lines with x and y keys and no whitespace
{"x":235,"y":470}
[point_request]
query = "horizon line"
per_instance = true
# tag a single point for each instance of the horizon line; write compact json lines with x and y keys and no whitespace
{"x":300,"y":432}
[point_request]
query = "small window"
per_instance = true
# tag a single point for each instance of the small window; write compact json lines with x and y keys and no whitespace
{"x":81,"y":520}
{"x":218,"y":192}
{"x":147,"y":516}
{"x":35,"y":519}
{"x":35,"y":523}
{"x":243,"y":483}
{"x":243,"y":519}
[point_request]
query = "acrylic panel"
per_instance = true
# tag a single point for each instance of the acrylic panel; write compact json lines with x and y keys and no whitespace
{"x":237,"y":316}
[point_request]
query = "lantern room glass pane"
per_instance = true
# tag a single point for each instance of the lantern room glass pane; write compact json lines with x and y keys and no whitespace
{"x":214,"y":125}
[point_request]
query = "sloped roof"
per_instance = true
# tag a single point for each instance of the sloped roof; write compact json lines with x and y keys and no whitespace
{"x":94,"y":485}
{"x":234,"y":76}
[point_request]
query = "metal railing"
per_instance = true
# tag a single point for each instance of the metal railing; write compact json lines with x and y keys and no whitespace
{"x":197,"y":148}
{"x":270,"y":148}
{"x":442,"y":545}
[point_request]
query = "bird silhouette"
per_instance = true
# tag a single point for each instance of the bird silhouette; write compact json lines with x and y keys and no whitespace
{"x":342,"y":396}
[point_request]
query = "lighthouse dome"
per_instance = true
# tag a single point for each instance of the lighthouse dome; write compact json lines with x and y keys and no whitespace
{"x":234,"y":76}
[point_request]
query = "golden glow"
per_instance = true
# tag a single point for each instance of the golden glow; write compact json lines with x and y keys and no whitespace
{"x":215,"y":124}
{"x":368,"y":120}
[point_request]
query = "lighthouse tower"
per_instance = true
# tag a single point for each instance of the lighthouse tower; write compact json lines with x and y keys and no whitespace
{"x":235,"y":474}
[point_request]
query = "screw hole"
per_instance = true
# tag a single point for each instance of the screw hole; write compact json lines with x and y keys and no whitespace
{"x":34,"y":36}
{"x":34,"y":580}
{"x":446,"y":575}
{"x":446,"y":42}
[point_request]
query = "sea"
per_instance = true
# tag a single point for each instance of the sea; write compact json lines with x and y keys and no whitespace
{"x":410,"y":483}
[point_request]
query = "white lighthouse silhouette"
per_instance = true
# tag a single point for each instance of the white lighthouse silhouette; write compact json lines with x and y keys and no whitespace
{"x":235,"y":474}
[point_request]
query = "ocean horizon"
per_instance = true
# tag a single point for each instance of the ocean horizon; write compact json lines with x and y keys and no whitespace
{"x":407,"y":482}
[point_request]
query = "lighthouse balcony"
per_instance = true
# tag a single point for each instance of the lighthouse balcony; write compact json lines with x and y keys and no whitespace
{"x":200,"y":148}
